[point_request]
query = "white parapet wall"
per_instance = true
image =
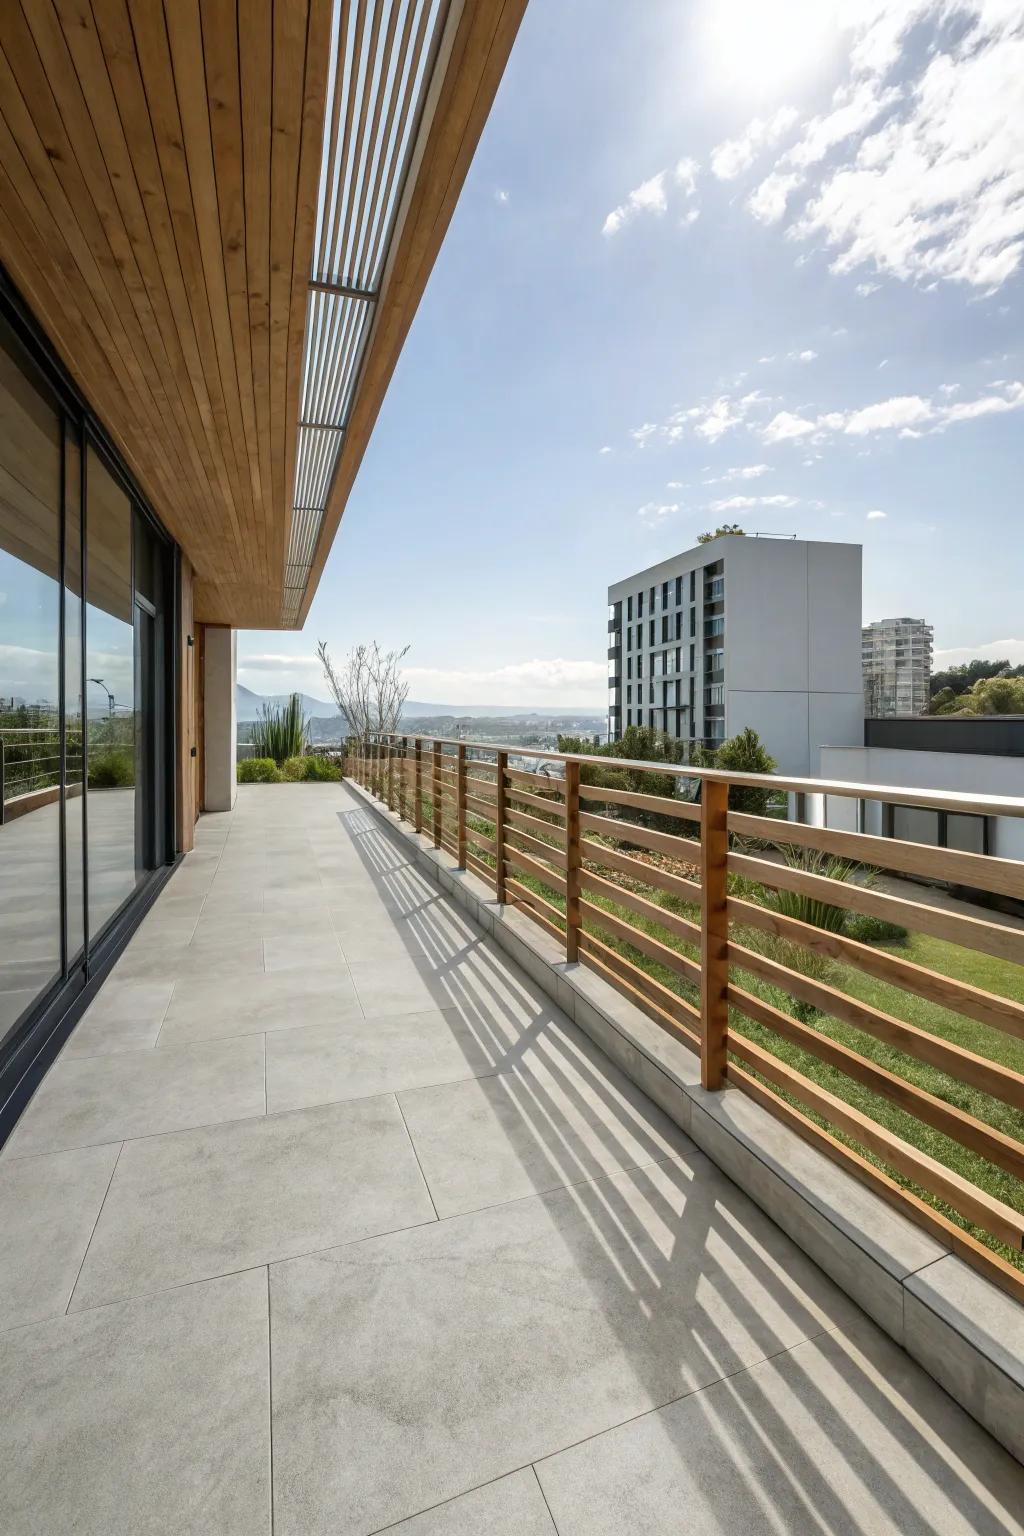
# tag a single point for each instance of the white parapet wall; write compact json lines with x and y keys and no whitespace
{"x":220,"y":726}
{"x":961,"y":773}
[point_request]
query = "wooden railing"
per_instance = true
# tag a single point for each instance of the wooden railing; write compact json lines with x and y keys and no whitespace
{"x":906,"y":1071}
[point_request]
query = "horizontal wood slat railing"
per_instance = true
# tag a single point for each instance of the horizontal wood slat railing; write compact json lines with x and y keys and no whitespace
{"x":727,"y":928}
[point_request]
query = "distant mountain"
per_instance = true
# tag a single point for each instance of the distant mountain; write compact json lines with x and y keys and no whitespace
{"x":249,"y":704}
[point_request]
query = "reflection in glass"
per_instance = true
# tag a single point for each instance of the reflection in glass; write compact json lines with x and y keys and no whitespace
{"x":74,"y":810}
{"x":109,"y":695}
{"x":29,"y":690}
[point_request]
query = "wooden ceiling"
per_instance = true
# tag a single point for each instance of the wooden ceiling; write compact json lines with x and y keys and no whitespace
{"x":160,"y":180}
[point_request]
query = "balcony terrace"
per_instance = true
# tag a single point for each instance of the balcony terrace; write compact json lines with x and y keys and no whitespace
{"x":329,"y":1219}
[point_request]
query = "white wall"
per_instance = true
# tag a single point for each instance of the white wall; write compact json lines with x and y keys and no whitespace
{"x":961,"y":773}
{"x":220,"y":728}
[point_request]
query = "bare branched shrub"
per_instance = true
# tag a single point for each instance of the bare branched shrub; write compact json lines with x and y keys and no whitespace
{"x":369,"y":690}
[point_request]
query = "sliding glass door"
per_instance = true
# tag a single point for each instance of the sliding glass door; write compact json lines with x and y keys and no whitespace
{"x":30,"y":687}
{"x":86,"y":732}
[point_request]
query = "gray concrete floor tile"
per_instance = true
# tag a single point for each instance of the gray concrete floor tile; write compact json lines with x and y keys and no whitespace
{"x":87,"y":1100}
{"x":561,"y":1118}
{"x":291,"y":951}
{"x":125,"y":1016}
{"x":548,"y":1319}
{"x":48,"y":1209}
{"x":326,"y":1062}
{"x":204,"y":1202}
{"x":150,"y":1416}
{"x":842,"y":1434}
{"x":207,"y":1009}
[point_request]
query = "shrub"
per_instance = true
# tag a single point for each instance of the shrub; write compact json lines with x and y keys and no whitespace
{"x":111,"y":768}
{"x":321,"y":770}
{"x":294,"y":769}
{"x":874,"y":930}
{"x":258,"y":770}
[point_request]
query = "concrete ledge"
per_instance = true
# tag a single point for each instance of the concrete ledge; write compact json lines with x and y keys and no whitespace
{"x":963,"y":1330}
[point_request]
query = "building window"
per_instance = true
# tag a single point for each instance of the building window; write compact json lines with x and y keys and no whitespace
{"x":693,"y":621}
{"x":629,"y":693}
{"x":693,"y":586}
{"x":629,"y":607}
{"x":664,"y":631}
{"x":651,"y":627}
{"x":640,"y":665}
{"x":629,"y":639}
{"x":679,"y":590}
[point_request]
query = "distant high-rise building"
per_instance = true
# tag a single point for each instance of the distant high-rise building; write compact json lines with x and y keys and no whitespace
{"x":897,"y":659}
{"x":742,"y":631}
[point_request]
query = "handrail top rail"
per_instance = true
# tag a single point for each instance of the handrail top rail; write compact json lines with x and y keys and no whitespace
{"x":927,"y":799}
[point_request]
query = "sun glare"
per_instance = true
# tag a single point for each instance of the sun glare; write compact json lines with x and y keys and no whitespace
{"x":760,"y":48}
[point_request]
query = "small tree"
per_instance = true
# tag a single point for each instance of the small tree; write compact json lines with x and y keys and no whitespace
{"x":370,"y":692}
{"x":746,"y":753}
{"x":723,"y":528}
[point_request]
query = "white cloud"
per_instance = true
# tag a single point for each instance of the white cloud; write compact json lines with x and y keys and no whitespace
{"x":989,"y":650}
{"x":909,"y":415}
{"x":742,"y":503}
{"x":685,"y":176}
{"x":652,"y":514}
{"x":733,"y":156}
{"x":648,"y":197}
{"x":949,"y":389}
{"x":555,"y":683}
{"x":867,"y":289}
{"x":768,"y":202}
{"x":640,"y":435}
{"x":500,"y":195}
{"x":741,"y":472}
{"x":806,"y":356}
{"x":674,"y":485}
{"x":929,"y":184}
{"x":786,"y":426}
{"x":605,"y":449}
{"x":651,"y":196}
{"x":876,"y":515}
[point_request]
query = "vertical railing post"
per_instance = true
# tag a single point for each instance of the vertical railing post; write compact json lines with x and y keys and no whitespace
{"x":435,"y":791}
{"x":499,"y":826}
{"x":460,"y":768}
{"x":714,"y":932}
{"x":389,"y":748}
{"x":418,"y":786}
{"x":403,"y":783}
{"x":572,"y":861}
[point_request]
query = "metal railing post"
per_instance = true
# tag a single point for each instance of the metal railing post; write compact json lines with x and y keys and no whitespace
{"x":572,"y":861}
{"x":499,"y":826}
{"x":714,"y":932}
{"x":460,"y":768}
{"x":418,"y":785}
{"x":390,"y":749}
{"x":435,"y":791}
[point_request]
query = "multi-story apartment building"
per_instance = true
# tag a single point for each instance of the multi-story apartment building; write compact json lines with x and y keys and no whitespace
{"x":742,"y":631}
{"x":897,"y":660}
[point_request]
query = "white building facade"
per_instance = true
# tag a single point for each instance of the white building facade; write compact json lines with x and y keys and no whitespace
{"x":897,"y":659}
{"x":742,"y":631}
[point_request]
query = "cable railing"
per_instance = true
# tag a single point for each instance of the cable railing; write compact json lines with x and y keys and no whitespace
{"x":882,"y":1019}
{"x":30,"y":761}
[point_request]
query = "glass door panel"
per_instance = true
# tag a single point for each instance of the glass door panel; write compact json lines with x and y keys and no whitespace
{"x":109,"y":695}
{"x":30,"y":506}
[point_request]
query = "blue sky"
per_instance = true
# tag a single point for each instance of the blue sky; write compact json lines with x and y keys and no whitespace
{"x":744,"y":260}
